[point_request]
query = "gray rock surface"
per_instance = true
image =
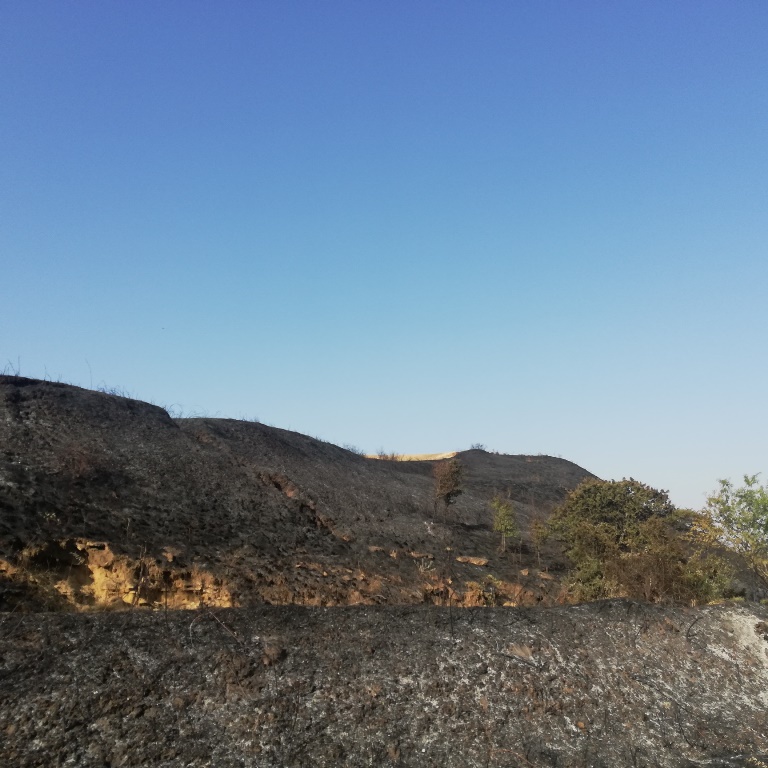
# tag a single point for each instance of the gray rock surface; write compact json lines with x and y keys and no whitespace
{"x":613,"y":683}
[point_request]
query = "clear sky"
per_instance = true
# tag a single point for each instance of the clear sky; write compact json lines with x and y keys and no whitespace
{"x":541,"y":226}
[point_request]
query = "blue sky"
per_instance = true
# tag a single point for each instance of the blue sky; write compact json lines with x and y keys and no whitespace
{"x":541,"y":226}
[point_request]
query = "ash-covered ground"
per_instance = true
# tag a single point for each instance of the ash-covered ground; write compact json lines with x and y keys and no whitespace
{"x":613,"y":683}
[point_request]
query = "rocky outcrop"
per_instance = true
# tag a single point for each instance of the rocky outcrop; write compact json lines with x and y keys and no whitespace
{"x":613,"y":683}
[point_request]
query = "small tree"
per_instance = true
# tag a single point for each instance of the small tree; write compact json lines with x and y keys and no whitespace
{"x":539,"y":535}
{"x":504,"y":520}
{"x":448,"y":477}
{"x":741,"y":518}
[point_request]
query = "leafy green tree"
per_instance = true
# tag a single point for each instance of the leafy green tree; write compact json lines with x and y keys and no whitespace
{"x":625,"y":538}
{"x":741,"y":518}
{"x":504,"y":520}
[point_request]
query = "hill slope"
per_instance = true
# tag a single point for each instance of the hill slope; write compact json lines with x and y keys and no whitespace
{"x":107,"y":500}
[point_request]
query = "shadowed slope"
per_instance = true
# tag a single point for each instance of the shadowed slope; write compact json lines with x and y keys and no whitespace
{"x":105,"y":499}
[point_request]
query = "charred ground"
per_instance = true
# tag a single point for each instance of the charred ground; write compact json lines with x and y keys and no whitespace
{"x":612,"y":684}
{"x":113,"y":514}
{"x":106,"y":500}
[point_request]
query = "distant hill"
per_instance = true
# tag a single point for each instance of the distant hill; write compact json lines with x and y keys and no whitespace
{"x":105,"y":500}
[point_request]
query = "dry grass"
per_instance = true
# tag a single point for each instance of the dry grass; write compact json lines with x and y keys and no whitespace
{"x":411,"y":456}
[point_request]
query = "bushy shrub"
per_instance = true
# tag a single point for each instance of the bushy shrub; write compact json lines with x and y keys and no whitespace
{"x":625,"y":538}
{"x":504,"y":520}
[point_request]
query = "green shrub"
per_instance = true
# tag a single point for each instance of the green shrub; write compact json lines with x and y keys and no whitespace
{"x":625,"y":538}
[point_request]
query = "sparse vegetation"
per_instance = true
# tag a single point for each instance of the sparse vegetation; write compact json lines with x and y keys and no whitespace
{"x":539,"y":535}
{"x":11,"y":369}
{"x":174,"y":411}
{"x":504,"y":520}
{"x":392,"y":456}
{"x":114,"y":391}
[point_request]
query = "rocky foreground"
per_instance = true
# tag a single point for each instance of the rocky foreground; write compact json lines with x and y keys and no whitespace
{"x":613,"y":683}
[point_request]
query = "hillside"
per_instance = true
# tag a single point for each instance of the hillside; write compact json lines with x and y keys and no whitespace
{"x":106,"y":501}
{"x":334,"y":618}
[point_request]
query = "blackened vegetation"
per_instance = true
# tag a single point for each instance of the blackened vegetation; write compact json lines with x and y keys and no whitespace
{"x":231,"y":512}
